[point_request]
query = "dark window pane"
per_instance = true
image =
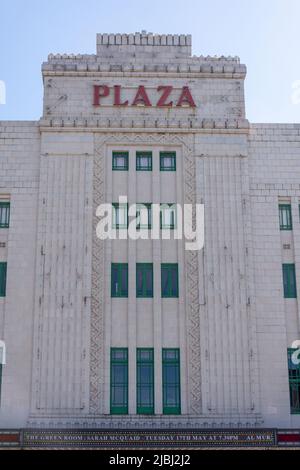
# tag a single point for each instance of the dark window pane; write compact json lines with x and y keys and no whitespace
{"x":145,"y":381}
{"x":144,"y":280}
{"x":171,"y":381}
{"x":119,"y":373}
{"x":124,"y":279}
{"x":119,"y":280}
{"x":118,"y":395}
{"x":285,"y":217}
{"x":139,"y":276}
{"x":169,"y":280}
{"x":4,"y":214}
{"x":3,"y":269}
{"x":148,"y":279}
{"x":119,"y":380}
{"x":170,"y":354}
{"x":143,"y":214}
{"x":144,"y":161}
{"x":165,"y":278}
{"x":120,"y":161}
{"x":119,"y":354}
{"x":171,"y":396}
{"x":145,"y":373}
{"x":145,"y":396}
{"x":171,"y":374}
{"x":294,"y":380}
{"x":167,"y":161}
{"x":289,"y":280}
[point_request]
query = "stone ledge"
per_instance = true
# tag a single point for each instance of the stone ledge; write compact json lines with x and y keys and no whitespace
{"x":93,"y":57}
{"x":143,"y":38}
{"x":188,"y":124}
{"x":142,"y":422}
{"x":209,"y":68}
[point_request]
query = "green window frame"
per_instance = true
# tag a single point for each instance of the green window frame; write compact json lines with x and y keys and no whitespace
{"x":143,"y":161}
{"x":120,"y":161}
{"x":119,"y":280}
{"x":167,"y":161}
{"x":3,"y":271}
{"x":294,"y":383}
{"x":171,"y":381}
{"x":168,"y":216}
{"x":0,"y":381}
{"x":4,"y":214}
{"x":169,"y":280}
{"x":145,"y":380}
{"x":144,"y":279}
{"x":119,"y":215}
{"x":144,"y":215}
{"x":119,"y":381}
{"x":285,"y":217}
{"x":289,"y":281}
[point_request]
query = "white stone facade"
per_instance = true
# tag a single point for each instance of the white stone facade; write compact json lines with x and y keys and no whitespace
{"x":231,"y":321}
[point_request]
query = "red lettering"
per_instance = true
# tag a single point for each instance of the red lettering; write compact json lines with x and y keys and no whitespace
{"x":117,"y":96}
{"x":186,"y":98}
{"x":141,"y":97}
{"x":165,"y":95}
{"x":100,"y":91}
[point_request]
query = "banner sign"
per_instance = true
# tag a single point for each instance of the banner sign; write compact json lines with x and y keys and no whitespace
{"x":163,"y":97}
{"x":148,"y":438}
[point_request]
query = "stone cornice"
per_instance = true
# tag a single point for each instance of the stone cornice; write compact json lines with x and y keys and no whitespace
{"x":93,"y":57}
{"x":210,"y":421}
{"x":203,"y":70}
{"x":144,"y":39}
{"x":154,"y":125}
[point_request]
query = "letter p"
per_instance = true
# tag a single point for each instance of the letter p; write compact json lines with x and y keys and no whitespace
{"x":100,"y":91}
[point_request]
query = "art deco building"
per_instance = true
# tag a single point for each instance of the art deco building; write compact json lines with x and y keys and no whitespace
{"x":146,"y":333}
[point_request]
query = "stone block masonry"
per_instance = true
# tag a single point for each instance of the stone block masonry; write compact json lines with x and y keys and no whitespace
{"x":230,"y":325}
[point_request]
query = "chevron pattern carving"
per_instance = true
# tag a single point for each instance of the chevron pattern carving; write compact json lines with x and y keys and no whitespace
{"x":192,"y":294}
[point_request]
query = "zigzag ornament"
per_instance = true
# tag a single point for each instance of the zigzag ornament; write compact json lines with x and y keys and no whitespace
{"x":192,"y":294}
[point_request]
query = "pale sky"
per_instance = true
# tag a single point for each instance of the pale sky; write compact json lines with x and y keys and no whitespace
{"x":265,"y":34}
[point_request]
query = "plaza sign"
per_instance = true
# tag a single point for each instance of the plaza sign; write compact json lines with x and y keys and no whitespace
{"x":141,"y":96}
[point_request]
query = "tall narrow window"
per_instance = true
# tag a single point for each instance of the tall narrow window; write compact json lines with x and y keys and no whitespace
{"x":171,"y":381}
{"x":119,"y":381}
{"x":285,"y":217}
{"x":167,"y":161}
{"x":143,"y":161}
{"x":0,"y":381}
{"x":120,"y":215}
{"x":4,"y":214}
{"x":144,"y":280}
{"x":2,"y":362}
{"x":289,"y":281}
{"x":294,"y":380}
{"x":119,"y":280}
{"x":3,"y":269}
{"x":169,"y":280}
{"x":143,"y":215}
{"x":145,"y":381}
{"x":168,"y":213}
{"x":120,"y":161}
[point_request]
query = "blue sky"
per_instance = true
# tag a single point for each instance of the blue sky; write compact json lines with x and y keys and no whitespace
{"x":264,"y":33}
